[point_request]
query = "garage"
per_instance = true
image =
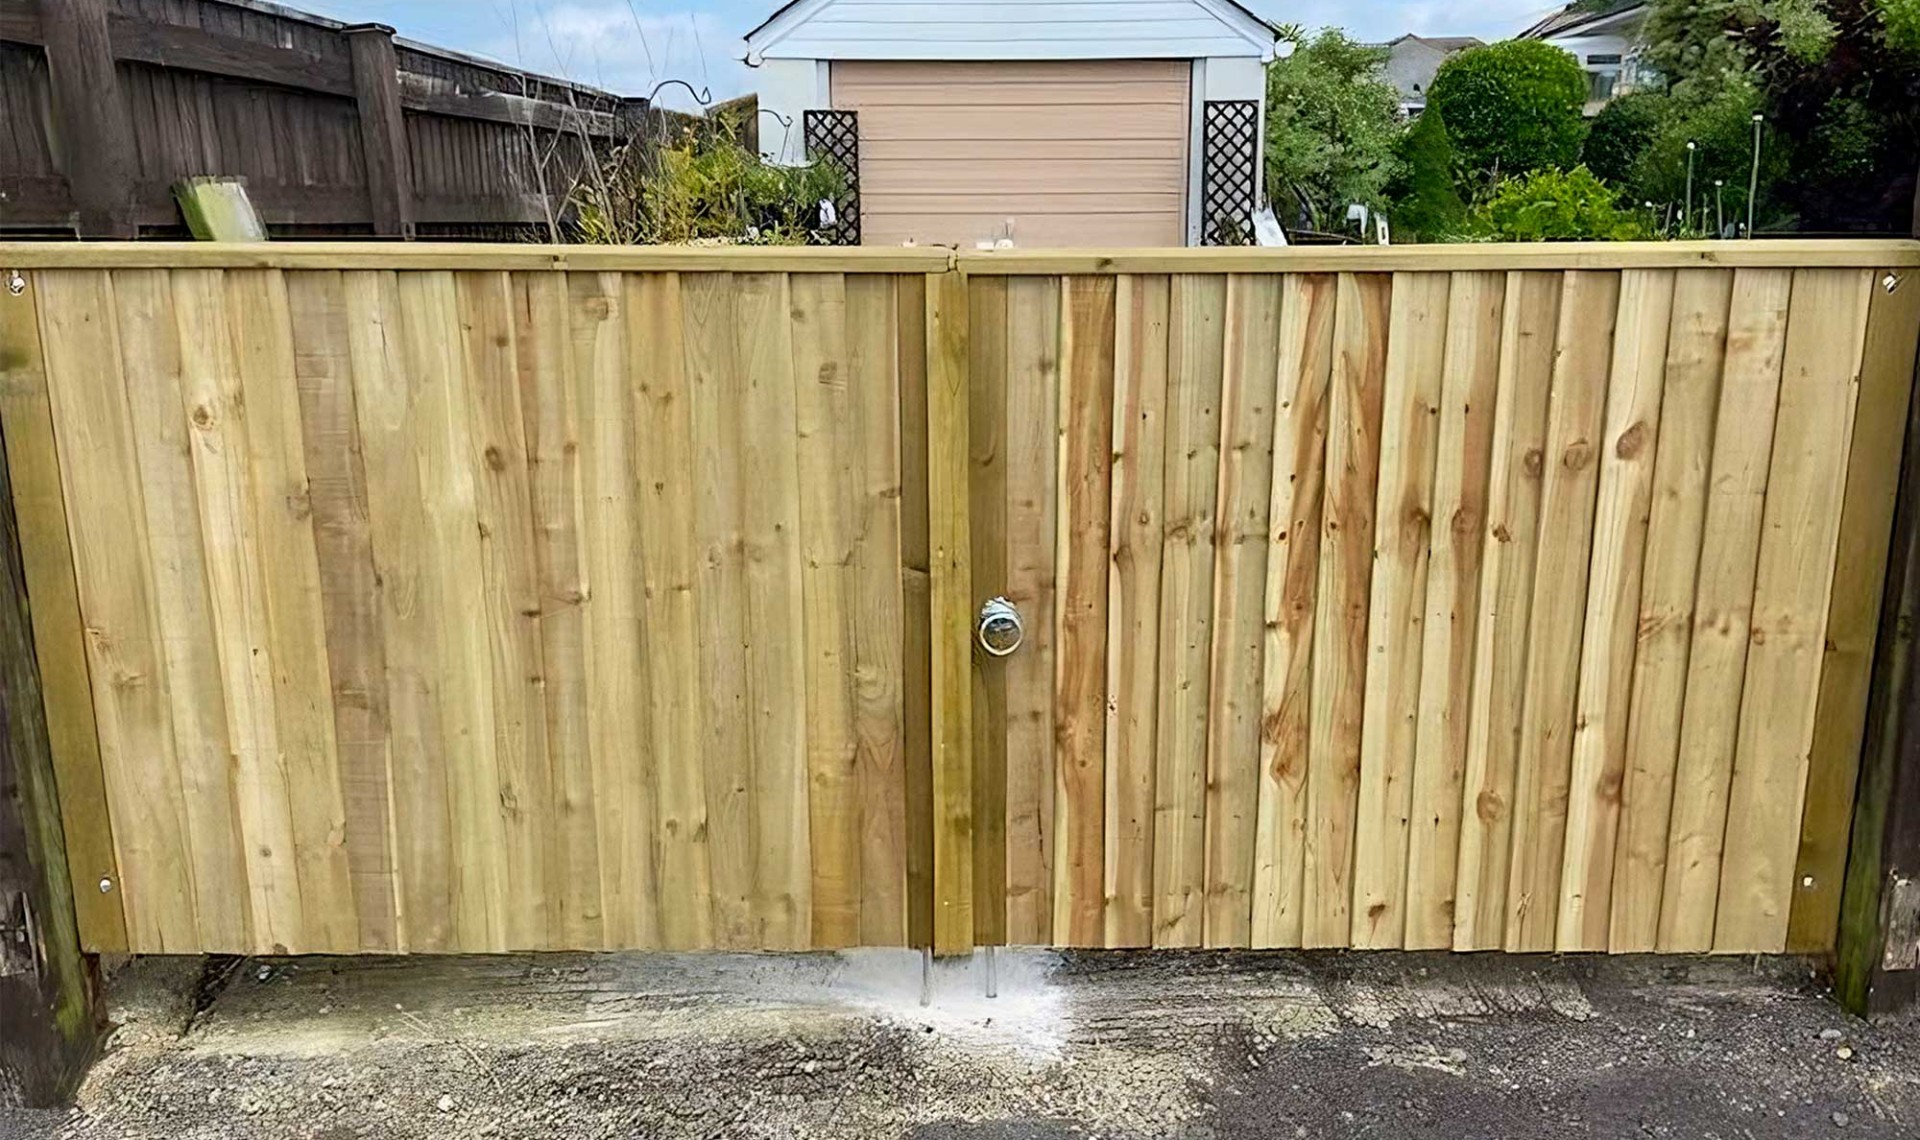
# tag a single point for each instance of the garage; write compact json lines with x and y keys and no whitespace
{"x":1050,"y":153}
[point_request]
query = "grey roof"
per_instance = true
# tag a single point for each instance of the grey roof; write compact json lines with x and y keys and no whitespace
{"x":1577,"y":15}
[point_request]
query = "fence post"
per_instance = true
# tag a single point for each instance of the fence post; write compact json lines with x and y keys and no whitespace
{"x":1877,"y":954}
{"x":951,"y":606}
{"x":93,"y":140}
{"x":46,"y":985}
{"x":383,"y":128}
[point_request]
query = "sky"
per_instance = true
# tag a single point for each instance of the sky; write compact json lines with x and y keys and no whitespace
{"x":630,"y":46}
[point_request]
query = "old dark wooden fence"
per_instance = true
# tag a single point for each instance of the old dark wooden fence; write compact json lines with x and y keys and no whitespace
{"x":338,"y":129}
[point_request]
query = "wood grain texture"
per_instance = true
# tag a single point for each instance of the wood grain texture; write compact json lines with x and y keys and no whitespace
{"x":916,"y":709}
{"x":1142,"y":309}
{"x":1234,"y":691}
{"x":988,"y":489}
{"x":1196,"y":339}
{"x":1080,"y":638}
{"x":1502,"y":631}
{"x":1356,"y":393}
{"x":1397,"y":605}
{"x":654,"y":391}
{"x":1575,"y":422}
{"x":1722,"y":611}
{"x":350,"y":594}
{"x":59,"y":637}
{"x":1032,"y":440}
{"x":1696,"y":350}
{"x":1892,"y":330}
{"x":1603,"y":701}
{"x":1293,"y":555}
{"x":1792,"y":587}
{"x":829,"y":515}
{"x":951,"y":613}
{"x":1469,"y":384}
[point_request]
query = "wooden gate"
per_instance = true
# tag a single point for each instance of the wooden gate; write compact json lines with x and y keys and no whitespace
{"x":1485,"y":598}
{"x":427,"y":598}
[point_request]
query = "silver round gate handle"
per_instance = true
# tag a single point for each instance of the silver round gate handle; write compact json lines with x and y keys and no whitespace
{"x":1001,"y":630}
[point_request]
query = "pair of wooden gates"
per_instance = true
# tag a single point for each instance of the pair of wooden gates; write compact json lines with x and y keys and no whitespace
{"x":417,"y":598}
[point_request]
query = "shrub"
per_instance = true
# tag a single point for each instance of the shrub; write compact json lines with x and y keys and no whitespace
{"x":1331,"y":125}
{"x":1426,"y":204}
{"x":1512,"y":107}
{"x":700,"y":186}
{"x":1555,"y":205}
{"x":1620,"y":133}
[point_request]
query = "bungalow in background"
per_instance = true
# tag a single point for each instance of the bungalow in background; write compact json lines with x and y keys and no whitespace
{"x":1123,"y":123}
{"x":1412,"y":62}
{"x":1604,"y":37}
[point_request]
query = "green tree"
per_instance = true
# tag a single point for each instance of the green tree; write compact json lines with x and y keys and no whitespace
{"x":1555,"y":205}
{"x":1512,"y":107}
{"x":1837,"y":83}
{"x":1331,"y":127}
{"x":1620,"y":133}
{"x":1427,"y":206}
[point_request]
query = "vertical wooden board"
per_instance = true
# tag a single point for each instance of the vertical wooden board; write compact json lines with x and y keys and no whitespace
{"x":389,"y":421}
{"x":1032,"y":415}
{"x":463,"y":661}
{"x":916,"y":648}
{"x":1476,"y":305}
{"x":550,"y":408}
{"x":1080,"y":690}
{"x":1793,"y":579}
{"x":1696,"y":349}
{"x":59,"y":634}
{"x":216,"y":406}
{"x":829,"y":513}
{"x":950,"y":606}
{"x":1141,"y":308}
{"x":296,"y":618}
{"x":875,"y":597}
{"x":119,"y":608}
{"x":1245,"y":496}
{"x":1397,"y":605}
{"x":1603,"y":699}
{"x":987,"y":506}
{"x":1196,"y":344}
{"x":636,"y":383}
{"x":1575,"y":422}
{"x":1722,"y":609}
{"x":716,"y":385}
{"x":350,"y":595}
{"x":496,"y":452}
{"x":150,"y":361}
{"x":1293,"y":557}
{"x":1354,"y":410}
{"x":775,"y":631}
{"x":1886,"y":379}
{"x":1502,"y":629}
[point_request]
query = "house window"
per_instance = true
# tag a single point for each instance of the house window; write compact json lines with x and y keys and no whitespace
{"x":1604,"y":58}
{"x":1600,"y":85}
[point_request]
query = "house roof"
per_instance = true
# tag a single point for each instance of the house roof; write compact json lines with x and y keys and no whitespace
{"x":795,"y":12}
{"x":1447,"y":44}
{"x":1578,"y":15}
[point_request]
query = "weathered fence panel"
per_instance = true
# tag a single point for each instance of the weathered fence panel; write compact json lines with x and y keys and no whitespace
{"x":1441,"y":602}
{"x":438,"y":598}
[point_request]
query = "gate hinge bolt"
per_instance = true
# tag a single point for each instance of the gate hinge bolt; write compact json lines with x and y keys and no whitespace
{"x":106,"y":884}
{"x":16,"y":284}
{"x":1891,"y":282}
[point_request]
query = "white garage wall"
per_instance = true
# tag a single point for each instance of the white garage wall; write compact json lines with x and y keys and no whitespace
{"x":1011,"y":30}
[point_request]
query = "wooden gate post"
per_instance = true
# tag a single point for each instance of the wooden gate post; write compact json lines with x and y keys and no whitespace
{"x":47,"y":991}
{"x":951,"y":607}
{"x":94,"y":143}
{"x":1877,"y":956}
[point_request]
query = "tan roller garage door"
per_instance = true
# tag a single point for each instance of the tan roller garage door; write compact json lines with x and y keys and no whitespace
{"x":1077,"y":153}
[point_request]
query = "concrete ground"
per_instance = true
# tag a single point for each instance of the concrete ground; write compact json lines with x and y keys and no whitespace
{"x":1104,"y":1044}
